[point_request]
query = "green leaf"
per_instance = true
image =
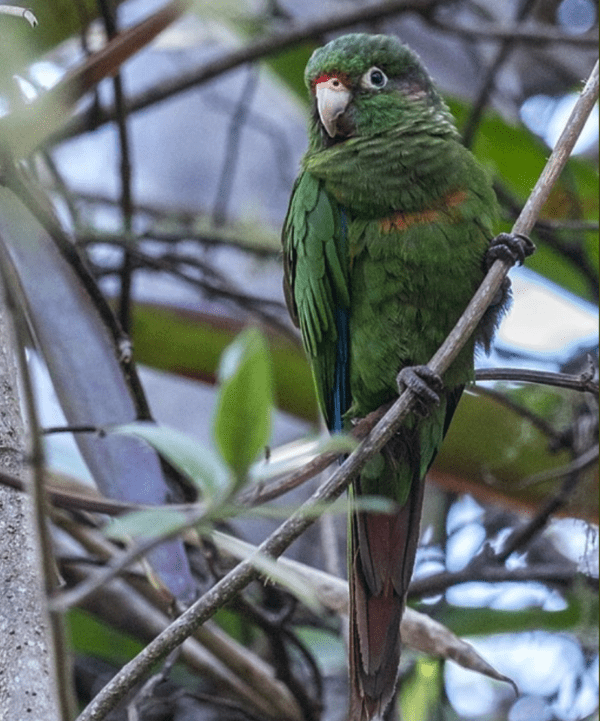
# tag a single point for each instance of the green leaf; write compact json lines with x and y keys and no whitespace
{"x":150,"y":523}
{"x":95,"y":638}
{"x":204,"y":468}
{"x":242,"y":423}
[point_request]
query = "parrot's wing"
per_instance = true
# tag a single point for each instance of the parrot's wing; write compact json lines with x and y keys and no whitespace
{"x":315,"y":259}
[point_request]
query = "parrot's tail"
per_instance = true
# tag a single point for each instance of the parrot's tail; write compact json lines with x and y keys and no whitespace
{"x":383,"y":547}
{"x":374,"y":646}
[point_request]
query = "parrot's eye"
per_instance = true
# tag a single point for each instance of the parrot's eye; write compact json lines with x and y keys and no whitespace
{"x":374,"y":78}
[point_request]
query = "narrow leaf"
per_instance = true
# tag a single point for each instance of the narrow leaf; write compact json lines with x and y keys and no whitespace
{"x":243,"y":417}
{"x":146,"y":524}
{"x":185,"y":454}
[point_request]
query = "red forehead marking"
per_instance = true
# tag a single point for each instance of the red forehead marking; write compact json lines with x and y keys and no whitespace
{"x":342,"y":77}
{"x":322,"y":79}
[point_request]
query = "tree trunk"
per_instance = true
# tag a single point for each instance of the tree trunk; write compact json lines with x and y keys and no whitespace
{"x":27,"y":678}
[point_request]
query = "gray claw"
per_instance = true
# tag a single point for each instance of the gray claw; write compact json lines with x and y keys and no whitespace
{"x":424,"y":383}
{"x":510,"y":247}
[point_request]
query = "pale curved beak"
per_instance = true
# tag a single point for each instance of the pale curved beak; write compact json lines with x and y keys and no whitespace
{"x":332,"y":100}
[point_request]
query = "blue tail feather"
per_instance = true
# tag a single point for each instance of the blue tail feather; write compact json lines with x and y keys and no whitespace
{"x":341,"y":376}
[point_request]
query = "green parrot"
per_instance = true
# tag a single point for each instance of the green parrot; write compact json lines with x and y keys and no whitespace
{"x":386,"y":240}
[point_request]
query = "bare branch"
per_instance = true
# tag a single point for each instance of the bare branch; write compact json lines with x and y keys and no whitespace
{"x":583,"y":382}
{"x":550,"y":573}
{"x":501,"y":55}
{"x":537,"y":34}
{"x":24,"y":13}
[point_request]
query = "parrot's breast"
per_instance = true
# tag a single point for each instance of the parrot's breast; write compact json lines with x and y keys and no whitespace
{"x":409,"y":287}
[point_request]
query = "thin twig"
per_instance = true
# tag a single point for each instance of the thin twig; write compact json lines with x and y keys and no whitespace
{"x":264,"y":126}
{"x":543,"y":572}
{"x":184,"y":235}
{"x":51,"y":430}
{"x":232,"y":147}
{"x":24,"y":13}
{"x":523,"y":375}
{"x":222,"y":289}
{"x":107,"y":8}
{"x":537,"y":34}
{"x":520,"y":537}
{"x":481,"y":101}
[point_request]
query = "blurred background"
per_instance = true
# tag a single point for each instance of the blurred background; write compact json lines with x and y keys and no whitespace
{"x":172,"y":180}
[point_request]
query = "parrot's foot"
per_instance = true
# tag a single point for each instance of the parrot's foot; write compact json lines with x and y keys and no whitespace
{"x":424,"y":383}
{"x":510,"y":247}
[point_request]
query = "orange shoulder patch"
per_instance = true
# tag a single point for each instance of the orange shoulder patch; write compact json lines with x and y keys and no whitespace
{"x":402,"y":221}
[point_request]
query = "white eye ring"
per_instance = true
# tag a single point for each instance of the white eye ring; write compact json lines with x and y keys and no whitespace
{"x":374,"y":79}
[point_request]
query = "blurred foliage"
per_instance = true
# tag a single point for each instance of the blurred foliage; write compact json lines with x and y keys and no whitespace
{"x":188,"y":343}
{"x":492,"y":451}
{"x":420,"y":693}
{"x":92,"y":637}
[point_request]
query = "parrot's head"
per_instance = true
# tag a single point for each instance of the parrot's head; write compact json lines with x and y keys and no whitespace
{"x":364,"y":84}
